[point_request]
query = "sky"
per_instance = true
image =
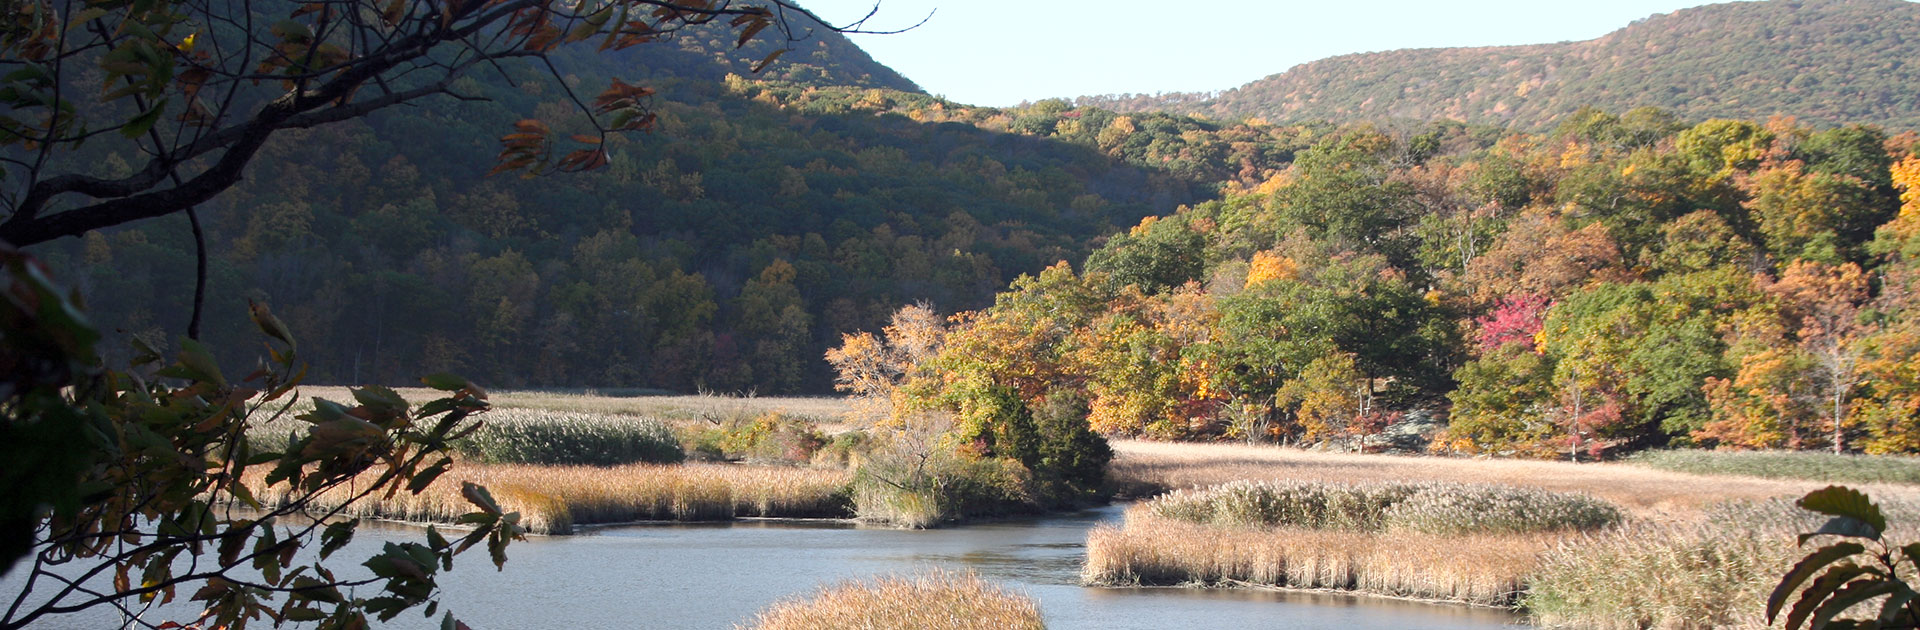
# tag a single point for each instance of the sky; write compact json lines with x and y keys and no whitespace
{"x":1003,"y":52}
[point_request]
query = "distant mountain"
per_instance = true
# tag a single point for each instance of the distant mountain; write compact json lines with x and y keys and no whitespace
{"x":1824,"y":61}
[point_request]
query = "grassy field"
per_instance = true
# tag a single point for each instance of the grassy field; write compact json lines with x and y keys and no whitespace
{"x":1693,"y":551}
{"x":1805,"y":465}
{"x":933,"y":600}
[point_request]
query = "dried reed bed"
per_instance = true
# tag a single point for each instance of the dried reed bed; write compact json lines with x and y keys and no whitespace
{"x":1696,"y":551}
{"x":1430,"y":507}
{"x":1145,"y":467}
{"x":554,"y":499}
{"x":932,"y":600}
{"x":1712,"y":573}
{"x":1486,"y":570}
{"x":699,"y":407}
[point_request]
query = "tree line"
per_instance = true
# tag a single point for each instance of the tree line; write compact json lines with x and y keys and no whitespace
{"x":1621,"y":282}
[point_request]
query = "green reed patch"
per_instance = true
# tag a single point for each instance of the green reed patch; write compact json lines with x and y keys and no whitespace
{"x":559,"y":439}
{"x":1813,"y":466}
{"x":1433,"y":507}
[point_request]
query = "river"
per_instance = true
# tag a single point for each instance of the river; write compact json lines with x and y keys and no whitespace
{"x":713,"y":576}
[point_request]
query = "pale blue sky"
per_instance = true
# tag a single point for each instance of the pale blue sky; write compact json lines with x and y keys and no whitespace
{"x":1001,"y":52}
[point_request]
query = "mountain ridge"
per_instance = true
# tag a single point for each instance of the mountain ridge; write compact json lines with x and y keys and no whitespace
{"x":1824,"y":61}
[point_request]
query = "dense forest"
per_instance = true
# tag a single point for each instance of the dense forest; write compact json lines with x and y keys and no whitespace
{"x":727,"y":250}
{"x":1826,"y":62}
{"x":1621,"y":282}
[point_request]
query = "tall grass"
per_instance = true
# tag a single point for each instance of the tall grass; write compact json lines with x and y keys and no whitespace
{"x":1715,"y":572}
{"x":564,"y":439}
{"x":1427,"y":507}
{"x":1145,"y":468}
{"x":932,"y":600}
{"x":1813,"y":466}
{"x":555,"y":499}
{"x":1480,"y":569}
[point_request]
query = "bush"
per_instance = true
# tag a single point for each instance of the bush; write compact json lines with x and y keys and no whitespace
{"x":560,"y":439}
{"x":911,"y":491}
{"x":1435,"y":508}
{"x":769,"y":437}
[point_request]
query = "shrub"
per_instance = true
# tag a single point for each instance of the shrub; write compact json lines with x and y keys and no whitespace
{"x":768,"y":437}
{"x":559,"y":439}
{"x":917,"y":492}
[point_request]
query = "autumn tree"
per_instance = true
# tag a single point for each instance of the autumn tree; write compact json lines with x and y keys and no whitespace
{"x":1827,"y":300}
{"x":872,"y":369}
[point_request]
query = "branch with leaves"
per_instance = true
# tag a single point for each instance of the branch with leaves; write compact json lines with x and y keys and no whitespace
{"x":130,"y":488}
{"x":201,"y":85}
{"x":1862,"y":570}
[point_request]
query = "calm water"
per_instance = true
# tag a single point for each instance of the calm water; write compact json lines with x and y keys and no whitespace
{"x":714,"y":576}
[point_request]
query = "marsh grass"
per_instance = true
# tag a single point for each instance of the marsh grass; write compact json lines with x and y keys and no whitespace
{"x":521,"y":436}
{"x":1146,"y":468}
{"x":1425,"y":507}
{"x":932,"y":600}
{"x":1150,"y":549}
{"x":1694,"y":550}
{"x":709,"y":407}
{"x":1713,"y":572}
{"x":1813,"y":466}
{"x":556,"y":499}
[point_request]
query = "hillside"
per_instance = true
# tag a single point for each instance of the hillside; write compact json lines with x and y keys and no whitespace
{"x":764,"y":216}
{"x":1824,"y":61}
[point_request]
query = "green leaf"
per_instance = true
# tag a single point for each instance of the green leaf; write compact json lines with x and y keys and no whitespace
{"x":479,"y":497}
{"x":304,"y":614}
{"x":445,"y":382}
{"x":1855,"y":593}
{"x":291,"y":31}
{"x":1896,"y":605}
{"x":1843,"y":501}
{"x":336,"y":535}
{"x":1819,"y":590}
{"x":1804,"y":569}
{"x":84,"y":16}
{"x":139,"y":125}
{"x":199,"y":362}
{"x":421,"y":480}
{"x":1843,"y":526}
{"x":380,"y":400}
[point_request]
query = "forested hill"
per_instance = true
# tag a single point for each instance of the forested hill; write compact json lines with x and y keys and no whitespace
{"x":727,"y":249}
{"x":816,"y":57}
{"x":1823,"y":61}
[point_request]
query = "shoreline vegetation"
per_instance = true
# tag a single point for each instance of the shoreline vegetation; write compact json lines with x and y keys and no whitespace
{"x":555,"y":500}
{"x":1690,"y":551}
{"x":1689,"y":539}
